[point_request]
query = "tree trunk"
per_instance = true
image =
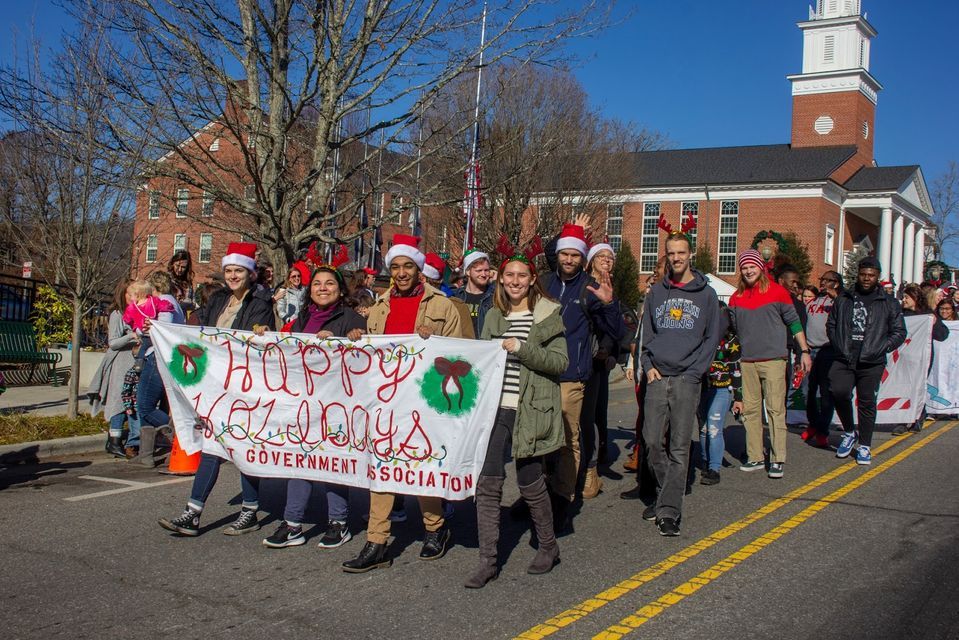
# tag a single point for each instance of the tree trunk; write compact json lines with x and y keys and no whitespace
{"x":73,"y":402}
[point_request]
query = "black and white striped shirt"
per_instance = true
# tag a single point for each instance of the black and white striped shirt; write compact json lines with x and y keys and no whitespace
{"x":519,"y":326}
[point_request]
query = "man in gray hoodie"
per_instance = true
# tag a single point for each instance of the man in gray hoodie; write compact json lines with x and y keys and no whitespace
{"x":680,"y":335}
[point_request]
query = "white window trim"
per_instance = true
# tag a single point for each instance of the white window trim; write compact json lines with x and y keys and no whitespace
{"x":618,"y":236}
{"x":176,"y":239}
{"x":154,"y":241}
{"x":153,"y":205}
{"x":643,"y":236}
{"x":208,"y":200}
{"x":694,"y":236}
{"x":830,"y":239}
{"x":201,"y":248}
{"x":182,"y":200}
{"x":719,"y":253}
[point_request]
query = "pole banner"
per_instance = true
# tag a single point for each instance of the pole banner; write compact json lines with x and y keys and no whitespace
{"x":943,"y":387}
{"x":396,"y":414}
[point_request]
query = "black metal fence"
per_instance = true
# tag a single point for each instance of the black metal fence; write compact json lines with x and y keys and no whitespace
{"x":18,"y":297}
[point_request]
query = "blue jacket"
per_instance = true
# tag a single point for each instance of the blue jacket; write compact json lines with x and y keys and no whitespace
{"x":583,"y":315}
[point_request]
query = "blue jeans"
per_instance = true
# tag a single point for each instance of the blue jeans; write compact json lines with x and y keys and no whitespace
{"x":205,"y":480}
{"x":298,"y":494}
{"x":149,"y":394}
{"x":712,"y":419}
{"x":116,"y":425}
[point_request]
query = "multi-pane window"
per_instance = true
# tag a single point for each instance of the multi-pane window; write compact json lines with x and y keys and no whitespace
{"x":649,"y":249}
{"x":179,"y":242}
{"x":206,"y":247}
{"x":208,"y":201}
{"x":154,"y":207}
{"x":614,"y":225}
{"x":830,"y":242}
{"x":728,"y":236}
{"x":152,"y":246}
{"x":690,"y":209}
{"x":182,"y":201}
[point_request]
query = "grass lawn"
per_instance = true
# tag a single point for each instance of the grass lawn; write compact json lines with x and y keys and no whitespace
{"x":16,"y":428}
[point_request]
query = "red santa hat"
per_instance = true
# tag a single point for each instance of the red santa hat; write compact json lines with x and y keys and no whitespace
{"x":435,"y":266}
{"x":572,"y":237}
{"x":240,"y":254}
{"x":596,"y":248}
{"x":304,"y":270}
{"x":407,"y":246}
{"x":368,"y":271}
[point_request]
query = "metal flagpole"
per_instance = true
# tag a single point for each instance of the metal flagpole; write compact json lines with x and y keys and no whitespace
{"x":472,"y":201}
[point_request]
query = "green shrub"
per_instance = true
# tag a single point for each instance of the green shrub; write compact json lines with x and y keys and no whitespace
{"x":52,"y":317}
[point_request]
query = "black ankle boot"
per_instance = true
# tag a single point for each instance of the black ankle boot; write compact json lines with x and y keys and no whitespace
{"x":114,"y":447}
{"x":372,"y":556}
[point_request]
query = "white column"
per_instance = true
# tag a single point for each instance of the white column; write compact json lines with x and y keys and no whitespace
{"x":885,"y":242}
{"x":909,"y":249}
{"x":896,"y":268}
{"x":920,"y":256}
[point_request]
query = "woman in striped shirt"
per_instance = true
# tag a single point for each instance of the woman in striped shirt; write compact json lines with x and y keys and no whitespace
{"x":529,"y":423}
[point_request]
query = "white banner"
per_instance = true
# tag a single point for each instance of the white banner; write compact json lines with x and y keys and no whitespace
{"x":943,"y":385}
{"x":903,"y":389}
{"x":389,"y":413}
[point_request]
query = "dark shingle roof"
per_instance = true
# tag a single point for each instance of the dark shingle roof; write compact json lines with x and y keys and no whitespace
{"x":736,"y":165}
{"x":880,"y":178}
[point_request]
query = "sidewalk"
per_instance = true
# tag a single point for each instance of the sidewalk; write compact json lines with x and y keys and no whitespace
{"x":42,"y":400}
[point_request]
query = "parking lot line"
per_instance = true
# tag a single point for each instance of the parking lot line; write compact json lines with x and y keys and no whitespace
{"x":131,"y":486}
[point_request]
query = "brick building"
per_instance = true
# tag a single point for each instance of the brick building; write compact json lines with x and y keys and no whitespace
{"x":824,"y":185}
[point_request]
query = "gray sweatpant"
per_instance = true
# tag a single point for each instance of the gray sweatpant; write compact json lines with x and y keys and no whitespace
{"x":668,"y":427}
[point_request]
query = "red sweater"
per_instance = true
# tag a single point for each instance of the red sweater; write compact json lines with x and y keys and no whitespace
{"x":402,"y":316}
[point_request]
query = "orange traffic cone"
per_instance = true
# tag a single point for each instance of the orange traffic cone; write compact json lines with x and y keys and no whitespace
{"x":181,"y":463}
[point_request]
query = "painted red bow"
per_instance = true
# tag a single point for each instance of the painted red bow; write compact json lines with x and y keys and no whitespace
{"x":452,"y":370}
{"x":190,"y":354}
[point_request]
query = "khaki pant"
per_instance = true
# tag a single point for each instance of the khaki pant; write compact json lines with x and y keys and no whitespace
{"x":378,"y":531}
{"x":766,"y":379}
{"x":562,"y":480}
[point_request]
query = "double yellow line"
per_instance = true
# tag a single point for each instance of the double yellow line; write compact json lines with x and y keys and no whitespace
{"x":644,"y":614}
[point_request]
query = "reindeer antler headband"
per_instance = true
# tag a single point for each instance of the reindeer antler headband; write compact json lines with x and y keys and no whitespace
{"x":527,"y":256}
{"x":688,"y":225}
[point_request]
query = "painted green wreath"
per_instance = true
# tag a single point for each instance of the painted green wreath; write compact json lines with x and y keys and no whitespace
{"x":451,"y":386}
{"x":188,"y":363}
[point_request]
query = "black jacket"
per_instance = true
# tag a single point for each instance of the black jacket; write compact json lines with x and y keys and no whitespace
{"x":254,"y":309}
{"x":885,"y":328}
{"x":340,"y":323}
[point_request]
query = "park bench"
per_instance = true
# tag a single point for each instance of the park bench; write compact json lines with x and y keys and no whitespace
{"x":18,"y":346}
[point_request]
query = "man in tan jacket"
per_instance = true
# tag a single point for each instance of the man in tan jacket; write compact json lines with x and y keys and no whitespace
{"x":409,"y":306}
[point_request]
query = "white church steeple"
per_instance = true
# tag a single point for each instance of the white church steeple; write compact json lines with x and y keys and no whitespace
{"x":834,"y":98}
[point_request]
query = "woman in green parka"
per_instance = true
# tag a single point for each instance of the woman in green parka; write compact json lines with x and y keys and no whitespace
{"x":529,"y":422}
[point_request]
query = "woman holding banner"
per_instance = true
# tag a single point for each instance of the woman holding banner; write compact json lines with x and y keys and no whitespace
{"x":409,"y":306}
{"x":236,"y":306}
{"x":529,"y":423}
{"x":325,"y":315}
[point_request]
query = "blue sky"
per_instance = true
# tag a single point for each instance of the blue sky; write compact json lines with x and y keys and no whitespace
{"x":710,"y":73}
{"x":713,"y":73}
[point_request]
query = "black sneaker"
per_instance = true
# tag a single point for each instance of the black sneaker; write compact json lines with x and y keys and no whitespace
{"x":285,"y":536}
{"x":668,"y":527}
{"x":631,"y":494}
{"x":244,"y":523}
{"x":709,"y":477}
{"x":337,"y":534}
{"x":649,"y":513}
{"x":187,"y":523}
{"x":434,"y":546}
{"x":900,"y":430}
{"x":372,"y":556}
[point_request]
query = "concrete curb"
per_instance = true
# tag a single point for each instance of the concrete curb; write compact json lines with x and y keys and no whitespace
{"x":45,"y":449}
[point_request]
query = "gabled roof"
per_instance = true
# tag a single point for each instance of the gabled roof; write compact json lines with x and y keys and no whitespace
{"x":880,"y":178}
{"x":775,"y":163}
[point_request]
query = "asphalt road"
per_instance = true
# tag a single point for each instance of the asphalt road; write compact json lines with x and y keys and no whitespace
{"x":831,"y":551}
